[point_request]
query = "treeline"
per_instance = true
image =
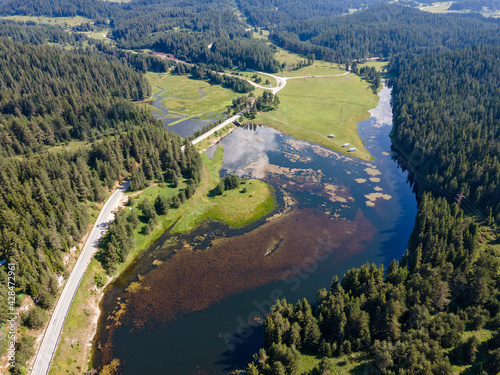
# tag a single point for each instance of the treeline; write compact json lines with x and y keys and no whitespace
{"x":230,"y":182}
{"x":429,"y":311}
{"x":454,"y":144}
{"x":229,"y":82}
{"x":48,"y":96}
{"x":92,"y":9}
{"x":474,"y":5}
{"x":33,"y":33}
{"x":140,"y":62}
{"x":270,"y":13}
{"x":370,"y":74}
{"x":406,"y":320}
{"x":203,"y":72}
{"x":384,"y":31}
{"x":162,"y":161}
{"x":223,"y":52}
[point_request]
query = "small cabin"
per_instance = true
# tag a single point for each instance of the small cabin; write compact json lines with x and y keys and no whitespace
{"x":352,"y":149}
{"x":346,"y":145}
{"x":331,"y":135}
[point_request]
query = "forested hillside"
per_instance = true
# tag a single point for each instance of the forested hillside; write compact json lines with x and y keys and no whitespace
{"x":270,"y":13}
{"x":475,"y":5}
{"x":415,"y":319}
{"x":437,"y":310}
{"x":185,"y":28}
{"x":428,"y":312}
{"x":456,"y":139}
{"x":53,"y":97}
{"x":384,"y":31}
{"x":49,"y":95}
{"x":32,"y":33}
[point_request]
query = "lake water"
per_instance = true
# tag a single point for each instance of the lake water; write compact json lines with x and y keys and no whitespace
{"x":194,"y":303}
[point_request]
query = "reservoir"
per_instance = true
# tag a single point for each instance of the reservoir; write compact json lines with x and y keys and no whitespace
{"x":194,"y":303}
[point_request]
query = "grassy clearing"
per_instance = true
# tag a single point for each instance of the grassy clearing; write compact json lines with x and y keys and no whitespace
{"x":245,"y":74}
{"x":264,"y":35}
{"x":443,"y":7}
{"x":313,"y":108}
{"x":289,"y":58}
{"x":307,"y":363}
{"x":317,"y":68}
{"x":99,"y":35}
{"x":235,"y":207}
{"x":62,"y":21}
{"x":440,"y":7}
{"x":182,"y":95}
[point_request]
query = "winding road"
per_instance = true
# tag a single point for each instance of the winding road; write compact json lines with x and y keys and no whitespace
{"x":282,"y":80}
{"x":55,"y":326}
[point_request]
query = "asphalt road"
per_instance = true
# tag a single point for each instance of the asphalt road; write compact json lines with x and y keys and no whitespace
{"x":212,"y":131}
{"x":54,"y":329}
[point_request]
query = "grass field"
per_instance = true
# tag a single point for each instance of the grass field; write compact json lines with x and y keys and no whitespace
{"x":234,"y":207}
{"x":62,"y":21}
{"x":99,"y":35}
{"x":307,"y":363}
{"x":438,"y":7}
{"x":284,"y":56}
{"x":257,"y":35}
{"x":313,"y":108}
{"x":182,"y":95}
{"x":245,"y":74}
{"x":443,"y":7}
{"x":319,"y":68}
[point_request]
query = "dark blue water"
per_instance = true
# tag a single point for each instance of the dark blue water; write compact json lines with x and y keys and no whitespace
{"x":219,"y":338}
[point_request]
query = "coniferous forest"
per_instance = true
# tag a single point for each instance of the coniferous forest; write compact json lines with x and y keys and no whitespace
{"x":51,"y":99}
{"x":416,"y":316}
{"x":70,"y":132}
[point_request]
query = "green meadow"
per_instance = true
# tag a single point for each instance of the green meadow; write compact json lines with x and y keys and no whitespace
{"x":182,"y":95}
{"x":313,"y":108}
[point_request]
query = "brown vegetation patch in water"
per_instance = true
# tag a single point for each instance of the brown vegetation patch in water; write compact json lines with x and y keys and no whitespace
{"x":300,"y":182}
{"x":193,"y":280}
